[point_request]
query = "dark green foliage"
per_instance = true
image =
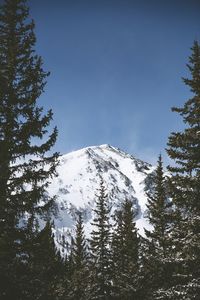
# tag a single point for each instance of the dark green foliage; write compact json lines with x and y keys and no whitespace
{"x":125,"y":243}
{"x":24,"y":166}
{"x":184,"y":149}
{"x":46,"y":266}
{"x":79,"y":256}
{"x":159,"y":213}
{"x":165,"y":265}
{"x":117,"y":254}
{"x":157,"y":249}
{"x":64,"y":286}
{"x":100,"y":272}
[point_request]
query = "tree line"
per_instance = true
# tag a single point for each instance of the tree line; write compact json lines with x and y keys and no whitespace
{"x":116,"y":262}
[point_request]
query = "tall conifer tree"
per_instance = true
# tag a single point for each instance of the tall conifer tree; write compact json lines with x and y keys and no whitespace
{"x":79,"y":279}
{"x":158,"y":245}
{"x":125,"y":244}
{"x":24,"y":166}
{"x":117,"y":246}
{"x":46,"y":266}
{"x":184,"y":149}
{"x":100,"y":270}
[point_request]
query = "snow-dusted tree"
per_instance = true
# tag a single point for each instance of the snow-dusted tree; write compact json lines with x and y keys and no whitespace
{"x":125,"y":243}
{"x":100,"y":267}
{"x":79,"y":279}
{"x":157,"y":247}
{"x":46,"y":267}
{"x":184,"y":149}
{"x":117,"y":246}
{"x":24,"y":166}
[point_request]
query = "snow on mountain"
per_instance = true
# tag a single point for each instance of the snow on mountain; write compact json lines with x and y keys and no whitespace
{"x":78,"y":182}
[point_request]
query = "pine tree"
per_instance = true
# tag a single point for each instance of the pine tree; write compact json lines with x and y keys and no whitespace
{"x":46,"y":266}
{"x":125,"y":245}
{"x":79,"y":278}
{"x":100,"y":269}
{"x":117,"y":248}
{"x":184,"y":149}
{"x":65,"y":286}
{"x":24,"y":166}
{"x":158,"y":244}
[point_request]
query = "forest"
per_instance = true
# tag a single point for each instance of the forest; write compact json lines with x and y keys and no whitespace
{"x":115,"y":262}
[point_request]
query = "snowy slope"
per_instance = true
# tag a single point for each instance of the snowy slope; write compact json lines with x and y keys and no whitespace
{"x":78,"y":182}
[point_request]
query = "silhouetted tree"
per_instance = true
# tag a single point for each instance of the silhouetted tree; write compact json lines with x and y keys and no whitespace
{"x":24,"y":166}
{"x":79,"y":278}
{"x":158,"y":246}
{"x":184,"y":150}
{"x":125,"y":243}
{"x":100,"y":267}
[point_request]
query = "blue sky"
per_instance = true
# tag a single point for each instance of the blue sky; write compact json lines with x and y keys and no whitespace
{"x":116,"y":68}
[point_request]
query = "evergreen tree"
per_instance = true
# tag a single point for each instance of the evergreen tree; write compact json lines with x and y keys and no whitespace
{"x":65,"y":286}
{"x":79,"y":278}
{"x":117,"y":247}
{"x":100,"y":269}
{"x":184,"y":149}
{"x":158,"y":244}
{"x":125,"y":245}
{"x":46,"y":266}
{"x":24,"y":166}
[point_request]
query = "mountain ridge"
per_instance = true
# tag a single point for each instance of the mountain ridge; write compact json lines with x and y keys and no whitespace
{"x":78,"y":181}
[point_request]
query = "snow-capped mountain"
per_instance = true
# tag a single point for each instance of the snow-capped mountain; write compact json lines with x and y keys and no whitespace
{"x":78,"y":182}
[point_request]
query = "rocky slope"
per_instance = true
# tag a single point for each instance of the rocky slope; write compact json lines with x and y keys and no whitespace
{"x":78,"y":181}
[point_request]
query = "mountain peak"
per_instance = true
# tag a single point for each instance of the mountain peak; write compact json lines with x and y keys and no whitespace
{"x":78,"y":181}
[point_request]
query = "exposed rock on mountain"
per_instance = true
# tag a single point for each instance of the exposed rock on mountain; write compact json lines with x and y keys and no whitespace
{"x":78,"y":181}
